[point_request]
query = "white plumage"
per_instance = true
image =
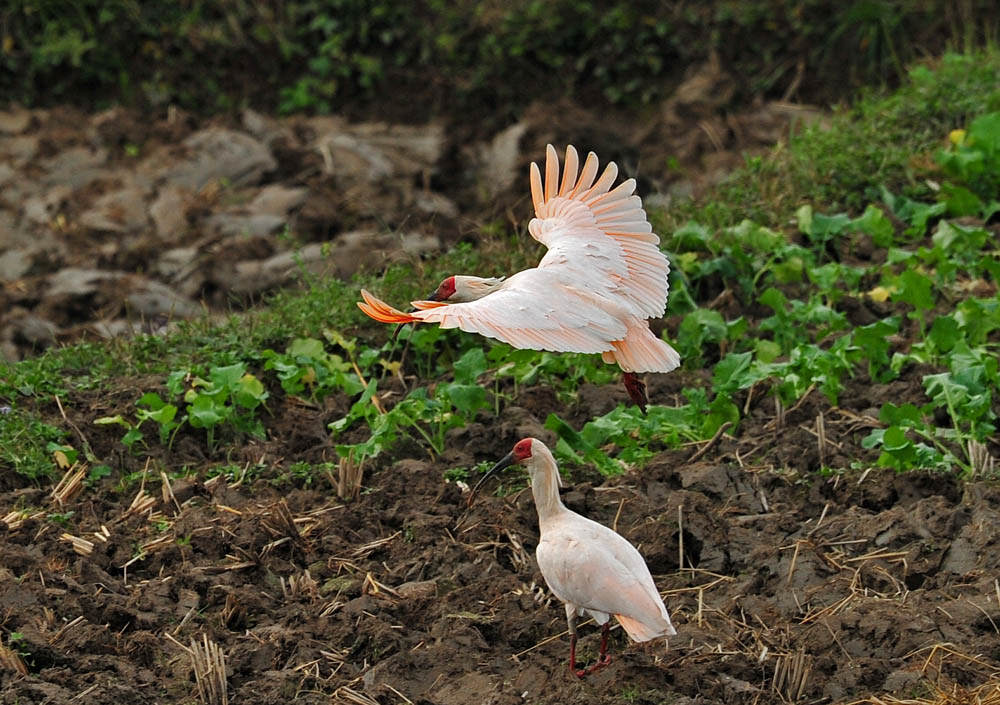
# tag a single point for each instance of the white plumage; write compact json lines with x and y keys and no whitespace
{"x":591,"y":568}
{"x":602,"y":278}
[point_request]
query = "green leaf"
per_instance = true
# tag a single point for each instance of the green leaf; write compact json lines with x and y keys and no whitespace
{"x":68,"y":452}
{"x":131,"y":437}
{"x":873,"y":439}
{"x":338,"y":338}
{"x":699,"y":327}
{"x":226,"y":377}
{"x":804,"y":217}
{"x":152,"y":400}
{"x":97,"y":472}
{"x":307,"y":347}
{"x":249,"y":392}
{"x":824,"y":227}
{"x":204,"y":412}
{"x":944,"y":333}
{"x":953,"y":238}
{"x":467,"y":398}
{"x":767,"y":351}
{"x":576,"y":443}
{"x":978,"y":318}
{"x":164,"y":415}
{"x":960,"y":201}
{"x":984,"y":134}
{"x":876,"y":224}
{"x":691,"y":236}
{"x":913,"y":212}
{"x":470,"y":366}
{"x":731,"y":372}
{"x":756,"y":237}
{"x":721,"y":410}
{"x":915,"y":289}
{"x":774,"y":299}
{"x":895,"y":439}
{"x":905,"y":415}
{"x":175,"y":381}
{"x":873,"y":345}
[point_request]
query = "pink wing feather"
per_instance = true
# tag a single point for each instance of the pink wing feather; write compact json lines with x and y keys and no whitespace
{"x":600,"y":233}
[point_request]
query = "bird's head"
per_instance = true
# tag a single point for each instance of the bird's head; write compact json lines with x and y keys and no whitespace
{"x":529,"y":452}
{"x":461,"y":288}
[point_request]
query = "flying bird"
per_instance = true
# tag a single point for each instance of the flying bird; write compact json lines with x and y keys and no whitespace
{"x":602,"y":278}
{"x":591,"y":568}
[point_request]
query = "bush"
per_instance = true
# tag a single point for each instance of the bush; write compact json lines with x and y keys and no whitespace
{"x":454,"y":55}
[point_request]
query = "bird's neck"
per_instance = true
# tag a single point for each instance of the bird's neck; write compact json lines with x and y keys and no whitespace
{"x":545,"y":488}
{"x":468,"y":288}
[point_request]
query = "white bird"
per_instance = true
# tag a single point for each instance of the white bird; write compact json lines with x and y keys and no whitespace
{"x":602,"y":278}
{"x":591,"y":568}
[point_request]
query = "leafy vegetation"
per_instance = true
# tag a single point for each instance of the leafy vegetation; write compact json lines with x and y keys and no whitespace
{"x":311,"y":55}
{"x":884,"y":145}
{"x":921,"y":260}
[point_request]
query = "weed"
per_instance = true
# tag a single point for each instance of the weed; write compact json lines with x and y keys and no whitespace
{"x":24,"y":444}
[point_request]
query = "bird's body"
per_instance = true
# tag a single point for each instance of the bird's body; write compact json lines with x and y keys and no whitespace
{"x":602,"y":278}
{"x":588,"y":566}
{"x":594,"y":570}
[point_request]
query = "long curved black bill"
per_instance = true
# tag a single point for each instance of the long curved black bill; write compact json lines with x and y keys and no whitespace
{"x":505,"y":462}
{"x":395,"y":334}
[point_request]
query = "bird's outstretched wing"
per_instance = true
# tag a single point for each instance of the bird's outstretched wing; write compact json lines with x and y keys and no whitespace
{"x":599,"y":233}
{"x":515,"y":316}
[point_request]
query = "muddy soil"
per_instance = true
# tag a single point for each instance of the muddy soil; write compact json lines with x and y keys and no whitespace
{"x":784,"y":585}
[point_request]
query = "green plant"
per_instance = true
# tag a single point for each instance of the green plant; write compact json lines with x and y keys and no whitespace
{"x":307,"y":366}
{"x":229,"y":395}
{"x":973,"y":160}
{"x":24,"y":444}
{"x":423,"y":415}
{"x":61,"y":518}
{"x":96,"y":474}
{"x":132,"y":433}
{"x":635,"y":437}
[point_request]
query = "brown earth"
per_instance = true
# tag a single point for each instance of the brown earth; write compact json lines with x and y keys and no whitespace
{"x":793,"y":586}
{"x":120,"y":222}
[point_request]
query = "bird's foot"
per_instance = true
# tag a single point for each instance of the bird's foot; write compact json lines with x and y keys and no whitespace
{"x":598,"y":665}
{"x":636,"y":389}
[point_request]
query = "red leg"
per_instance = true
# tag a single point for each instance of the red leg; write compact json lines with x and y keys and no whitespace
{"x":636,"y":389}
{"x":603,"y":658}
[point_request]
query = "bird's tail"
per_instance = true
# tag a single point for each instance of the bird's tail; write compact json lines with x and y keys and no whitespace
{"x":641,"y":351}
{"x":381,"y":311}
{"x":640,"y":631}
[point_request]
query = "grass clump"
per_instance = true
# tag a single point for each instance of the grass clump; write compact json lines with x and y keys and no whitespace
{"x":885,"y":141}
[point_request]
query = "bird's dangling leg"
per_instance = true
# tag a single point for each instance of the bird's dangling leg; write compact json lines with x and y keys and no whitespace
{"x":637,"y":390}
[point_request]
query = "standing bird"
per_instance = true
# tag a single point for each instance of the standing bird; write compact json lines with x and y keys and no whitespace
{"x":601,"y":279}
{"x":585,"y":564}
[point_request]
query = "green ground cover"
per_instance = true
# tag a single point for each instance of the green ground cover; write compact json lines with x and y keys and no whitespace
{"x":894,"y":203}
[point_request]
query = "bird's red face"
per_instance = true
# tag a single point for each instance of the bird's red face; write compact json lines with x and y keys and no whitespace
{"x":444,"y":291}
{"x":522,"y":450}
